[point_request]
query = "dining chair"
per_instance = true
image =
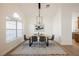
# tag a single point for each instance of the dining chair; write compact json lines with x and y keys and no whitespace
{"x":52,"y":38}
{"x":25,"y":38}
{"x":44,"y":39}
{"x":32,"y":40}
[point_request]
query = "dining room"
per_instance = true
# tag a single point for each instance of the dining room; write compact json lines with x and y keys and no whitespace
{"x":28,"y":28}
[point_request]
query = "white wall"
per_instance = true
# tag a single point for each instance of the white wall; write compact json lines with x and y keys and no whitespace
{"x":5,"y":10}
{"x":66,"y":16}
{"x":56,"y":26}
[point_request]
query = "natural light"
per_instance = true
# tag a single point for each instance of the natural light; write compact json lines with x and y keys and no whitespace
{"x":14,"y":27}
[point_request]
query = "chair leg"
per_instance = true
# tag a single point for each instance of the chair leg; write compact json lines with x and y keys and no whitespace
{"x":30,"y":43}
{"x":47,"y":43}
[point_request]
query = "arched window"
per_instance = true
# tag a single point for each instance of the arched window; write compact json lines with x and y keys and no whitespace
{"x":14,"y":27}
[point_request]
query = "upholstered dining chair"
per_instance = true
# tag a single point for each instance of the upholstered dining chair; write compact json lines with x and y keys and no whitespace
{"x":25,"y":38}
{"x":44,"y":39}
{"x":52,"y":38}
{"x":32,"y":40}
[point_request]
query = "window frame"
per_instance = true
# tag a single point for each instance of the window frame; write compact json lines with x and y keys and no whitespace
{"x":16,"y":21}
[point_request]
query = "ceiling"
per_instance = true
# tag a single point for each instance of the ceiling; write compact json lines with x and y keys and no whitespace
{"x":30,"y":10}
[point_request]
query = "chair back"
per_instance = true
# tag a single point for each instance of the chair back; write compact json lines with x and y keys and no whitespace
{"x":34,"y":38}
{"x":52,"y":37}
{"x":42,"y":39}
{"x":25,"y":38}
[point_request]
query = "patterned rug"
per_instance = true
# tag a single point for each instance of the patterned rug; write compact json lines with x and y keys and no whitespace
{"x":38,"y":50}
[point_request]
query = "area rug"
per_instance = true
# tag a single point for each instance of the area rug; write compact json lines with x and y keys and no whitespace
{"x":38,"y":50}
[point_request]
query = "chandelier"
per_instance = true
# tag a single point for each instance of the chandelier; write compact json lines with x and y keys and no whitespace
{"x":39,"y":26}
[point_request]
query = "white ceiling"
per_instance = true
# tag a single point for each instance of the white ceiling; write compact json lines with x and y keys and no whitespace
{"x":31,"y":9}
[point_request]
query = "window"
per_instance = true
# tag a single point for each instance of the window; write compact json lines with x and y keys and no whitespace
{"x":19,"y":29}
{"x":14,"y":27}
{"x":73,"y":25}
